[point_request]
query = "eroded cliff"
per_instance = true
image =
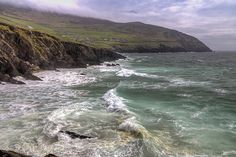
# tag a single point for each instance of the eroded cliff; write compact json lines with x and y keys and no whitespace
{"x":23,"y":52}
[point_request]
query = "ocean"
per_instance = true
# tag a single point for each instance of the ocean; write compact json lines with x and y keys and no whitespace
{"x":152,"y":105}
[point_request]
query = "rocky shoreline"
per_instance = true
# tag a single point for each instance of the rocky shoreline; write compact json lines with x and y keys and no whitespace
{"x":23,"y":52}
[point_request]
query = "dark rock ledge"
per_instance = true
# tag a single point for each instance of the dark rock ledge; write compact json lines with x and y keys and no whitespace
{"x":4,"y":153}
{"x":23,"y":52}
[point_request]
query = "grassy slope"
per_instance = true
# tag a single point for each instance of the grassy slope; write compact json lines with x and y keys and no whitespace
{"x":92,"y":32}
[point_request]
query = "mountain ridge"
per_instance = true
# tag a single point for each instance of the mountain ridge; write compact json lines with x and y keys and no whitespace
{"x":122,"y":37}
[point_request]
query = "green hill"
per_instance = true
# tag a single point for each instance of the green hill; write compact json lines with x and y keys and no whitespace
{"x":122,"y":37}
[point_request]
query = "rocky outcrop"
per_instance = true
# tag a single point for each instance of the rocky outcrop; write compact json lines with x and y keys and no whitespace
{"x":74,"y":135}
{"x":4,"y":153}
{"x":23,"y":52}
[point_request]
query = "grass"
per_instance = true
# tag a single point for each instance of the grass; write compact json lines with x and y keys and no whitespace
{"x":95,"y":35}
{"x":92,"y":32}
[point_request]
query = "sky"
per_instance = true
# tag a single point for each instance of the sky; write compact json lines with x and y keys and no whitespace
{"x":211,"y":21}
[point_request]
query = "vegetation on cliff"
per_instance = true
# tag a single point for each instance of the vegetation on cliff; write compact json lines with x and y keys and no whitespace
{"x":24,"y":51}
{"x":122,"y":37}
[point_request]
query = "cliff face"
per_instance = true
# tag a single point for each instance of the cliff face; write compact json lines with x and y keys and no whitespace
{"x":23,"y":52}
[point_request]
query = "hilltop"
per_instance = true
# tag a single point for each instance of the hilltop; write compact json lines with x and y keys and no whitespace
{"x":122,"y":37}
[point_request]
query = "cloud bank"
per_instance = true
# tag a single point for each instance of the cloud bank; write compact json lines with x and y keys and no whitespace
{"x":212,"y":21}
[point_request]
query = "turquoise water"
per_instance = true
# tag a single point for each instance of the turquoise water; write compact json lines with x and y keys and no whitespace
{"x":152,"y":105}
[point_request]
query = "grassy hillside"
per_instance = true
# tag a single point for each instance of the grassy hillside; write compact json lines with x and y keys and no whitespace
{"x":101,"y":33}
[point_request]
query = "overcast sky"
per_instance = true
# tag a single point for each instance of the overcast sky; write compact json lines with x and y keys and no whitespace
{"x":212,"y":21}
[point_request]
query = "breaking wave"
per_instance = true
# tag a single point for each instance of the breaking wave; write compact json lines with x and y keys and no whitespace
{"x":114,"y":103}
{"x":128,"y":73}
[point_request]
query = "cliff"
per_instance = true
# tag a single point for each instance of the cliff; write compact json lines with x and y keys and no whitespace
{"x":23,"y":52}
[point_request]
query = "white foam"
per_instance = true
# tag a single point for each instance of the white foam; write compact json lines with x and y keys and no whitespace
{"x":57,"y":119}
{"x":232,"y":125}
{"x":105,"y":68}
{"x":127,"y":73}
{"x":51,"y":129}
{"x":130,"y":125}
{"x":227,"y":153}
{"x":197,"y":114}
{"x":185,"y":95}
{"x":183,"y":82}
{"x":221,"y":91}
{"x":66,"y":77}
{"x":17,"y":109}
{"x":114,"y":102}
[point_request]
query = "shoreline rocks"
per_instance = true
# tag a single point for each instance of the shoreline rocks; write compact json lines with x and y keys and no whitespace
{"x":74,"y":135}
{"x":4,"y":153}
{"x":23,"y":52}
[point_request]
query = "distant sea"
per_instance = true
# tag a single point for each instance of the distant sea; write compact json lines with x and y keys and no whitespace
{"x":165,"y":104}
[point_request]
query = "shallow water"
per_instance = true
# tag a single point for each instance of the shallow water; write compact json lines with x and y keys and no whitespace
{"x":152,"y":105}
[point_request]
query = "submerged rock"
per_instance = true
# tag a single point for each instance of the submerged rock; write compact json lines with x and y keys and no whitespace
{"x":50,"y":155}
{"x":83,"y":74}
{"x":112,"y":65}
{"x":74,"y":135}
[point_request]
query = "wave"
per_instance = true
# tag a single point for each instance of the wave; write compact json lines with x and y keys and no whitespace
{"x":229,"y":153}
{"x":128,"y":122}
{"x":56,"y":120}
{"x":183,"y":82}
{"x":131,"y":125}
{"x":173,"y":81}
{"x":114,"y":103}
{"x":127,"y":73}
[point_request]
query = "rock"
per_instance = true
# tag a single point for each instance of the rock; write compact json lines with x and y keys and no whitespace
{"x":83,"y":74}
{"x":32,"y":77}
{"x":112,"y":64}
{"x":7,"y":78}
{"x":4,"y":153}
{"x":50,"y":155}
{"x":74,"y":135}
